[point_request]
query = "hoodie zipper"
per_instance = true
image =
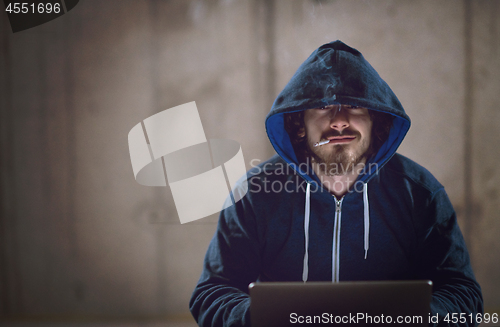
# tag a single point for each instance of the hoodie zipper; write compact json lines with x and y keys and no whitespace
{"x":336,"y":239}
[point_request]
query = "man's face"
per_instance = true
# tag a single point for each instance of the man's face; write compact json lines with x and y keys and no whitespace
{"x":348,"y":130}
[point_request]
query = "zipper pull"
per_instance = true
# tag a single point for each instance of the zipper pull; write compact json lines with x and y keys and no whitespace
{"x":337,"y":206}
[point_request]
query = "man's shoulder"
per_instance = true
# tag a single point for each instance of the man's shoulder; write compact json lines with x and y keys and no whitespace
{"x":413,"y":172}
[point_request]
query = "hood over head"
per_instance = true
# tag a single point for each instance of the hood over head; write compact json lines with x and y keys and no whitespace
{"x":336,"y":74}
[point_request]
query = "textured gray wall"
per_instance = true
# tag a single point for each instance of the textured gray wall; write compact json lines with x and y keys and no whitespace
{"x":80,"y":237}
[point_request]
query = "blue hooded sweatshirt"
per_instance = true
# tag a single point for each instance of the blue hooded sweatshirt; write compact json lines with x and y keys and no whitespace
{"x":395,"y":223}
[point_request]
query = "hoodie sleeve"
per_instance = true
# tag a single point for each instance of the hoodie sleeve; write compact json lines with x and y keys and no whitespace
{"x":231,"y":263}
{"x":444,"y":260}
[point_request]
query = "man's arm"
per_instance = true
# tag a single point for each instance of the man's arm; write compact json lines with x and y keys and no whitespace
{"x":444,"y":259}
{"x":231,"y":263}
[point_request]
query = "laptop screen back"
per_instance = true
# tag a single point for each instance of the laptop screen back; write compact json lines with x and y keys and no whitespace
{"x":346,"y":303}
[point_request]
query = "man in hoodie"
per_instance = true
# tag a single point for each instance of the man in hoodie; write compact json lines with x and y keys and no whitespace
{"x":337,"y":203}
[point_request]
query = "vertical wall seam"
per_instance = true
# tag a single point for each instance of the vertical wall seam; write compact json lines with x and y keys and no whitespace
{"x":270,"y":44}
{"x":5,"y":190}
{"x":70,"y":35}
{"x":153,"y":51}
{"x":270,"y":38}
{"x":468,"y":121}
{"x":45,"y":179}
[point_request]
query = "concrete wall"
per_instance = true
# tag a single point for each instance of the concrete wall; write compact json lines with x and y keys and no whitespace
{"x":80,"y":237}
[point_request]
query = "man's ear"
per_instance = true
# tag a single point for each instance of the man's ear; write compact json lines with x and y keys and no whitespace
{"x":302,"y":132}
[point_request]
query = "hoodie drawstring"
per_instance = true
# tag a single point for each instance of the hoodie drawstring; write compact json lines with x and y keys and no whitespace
{"x":336,"y":241}
{"x":366,"y":218}
{"x":305,"y":271}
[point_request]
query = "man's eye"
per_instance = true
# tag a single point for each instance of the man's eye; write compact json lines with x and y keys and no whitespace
{"x":328,"y":107}
{"x":355,"y":109}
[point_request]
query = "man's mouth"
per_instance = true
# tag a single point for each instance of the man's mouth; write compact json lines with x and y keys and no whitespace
{"x":341,"y":139}
{"x":337,"y":139}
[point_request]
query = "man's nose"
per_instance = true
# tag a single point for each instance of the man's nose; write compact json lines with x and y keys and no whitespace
{"x":339,"y":119}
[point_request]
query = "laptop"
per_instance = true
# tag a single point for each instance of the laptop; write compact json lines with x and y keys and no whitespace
{"x":377,"y":303}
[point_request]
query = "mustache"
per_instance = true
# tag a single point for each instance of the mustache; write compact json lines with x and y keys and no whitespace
{"x":345,"y":132}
